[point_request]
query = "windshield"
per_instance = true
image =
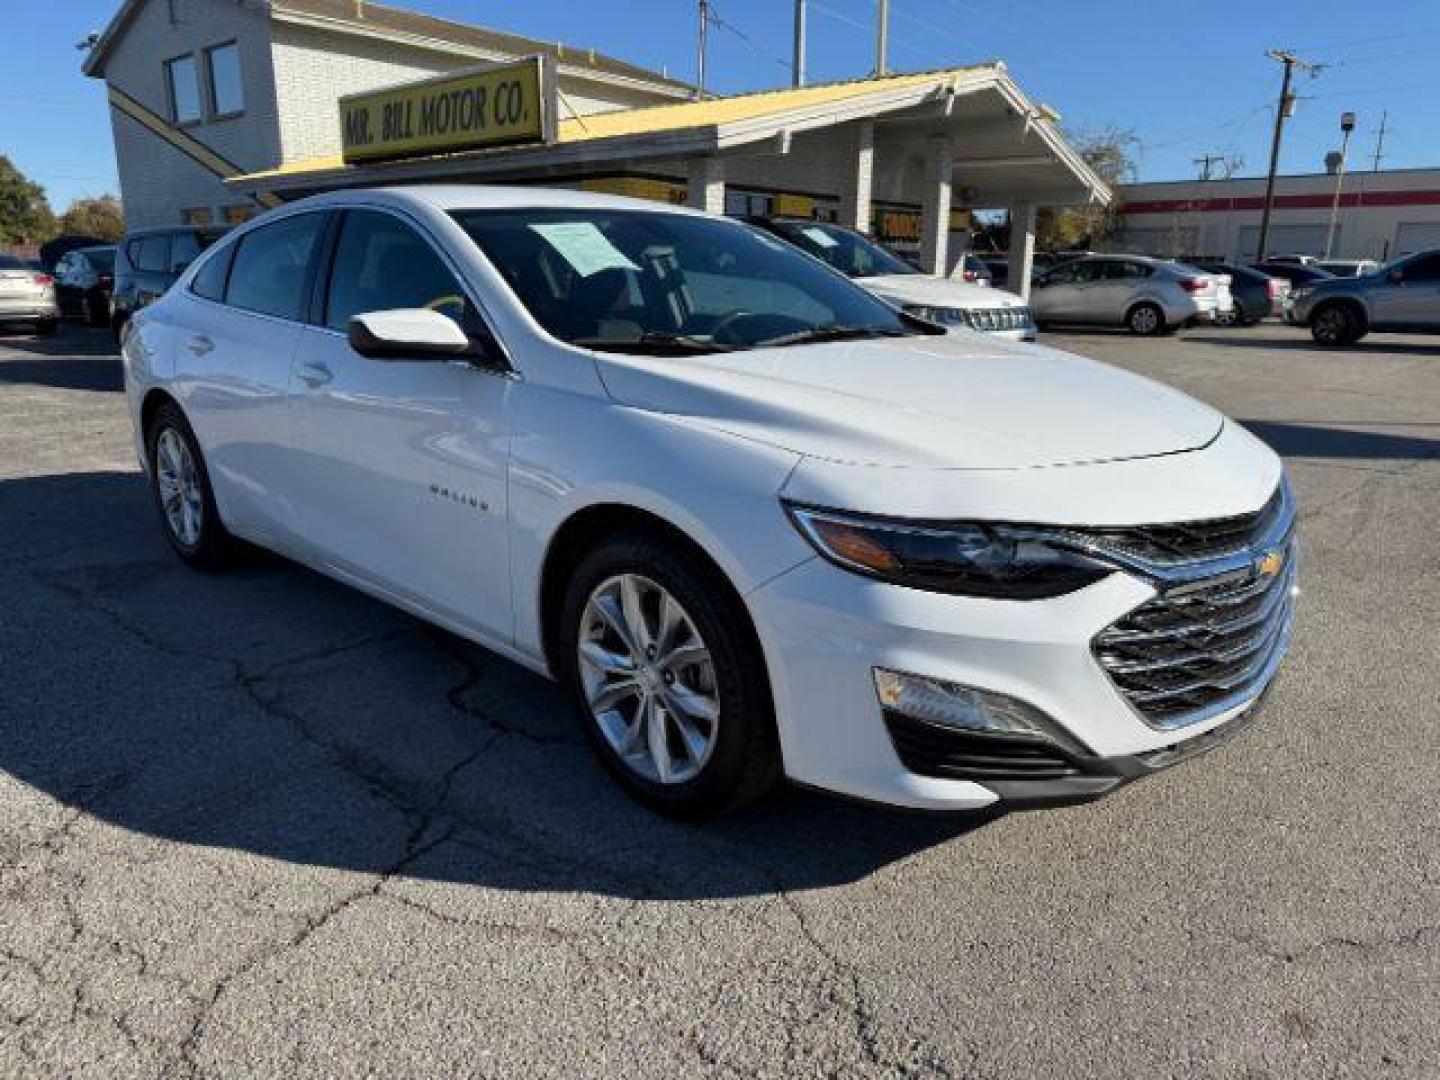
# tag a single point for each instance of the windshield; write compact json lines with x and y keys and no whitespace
{"x":654,"y":282}
{"x":852,"y":253}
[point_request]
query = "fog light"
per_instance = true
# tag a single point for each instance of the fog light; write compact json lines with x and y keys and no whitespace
{"x":956,"y":706}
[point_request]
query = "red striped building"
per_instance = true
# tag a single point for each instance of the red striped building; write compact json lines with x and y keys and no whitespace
{"x":1381,"y":215}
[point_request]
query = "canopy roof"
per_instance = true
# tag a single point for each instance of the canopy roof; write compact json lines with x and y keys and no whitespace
{"x":1004,"y":143}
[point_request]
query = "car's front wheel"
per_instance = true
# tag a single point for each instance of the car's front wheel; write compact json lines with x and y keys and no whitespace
{"x":180,"y":488}
{"x":1336,"y":324}
{"x":668,"y":676}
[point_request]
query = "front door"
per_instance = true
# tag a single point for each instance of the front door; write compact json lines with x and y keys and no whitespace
{"x":400,"y":466}
{"x":1414,"y":300}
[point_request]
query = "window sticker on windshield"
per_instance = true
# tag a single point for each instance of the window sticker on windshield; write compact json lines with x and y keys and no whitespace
{"x":820,"y":236}
{"x":583,"y":246}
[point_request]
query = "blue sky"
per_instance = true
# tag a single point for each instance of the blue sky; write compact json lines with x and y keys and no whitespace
{"x":1188,"y":78}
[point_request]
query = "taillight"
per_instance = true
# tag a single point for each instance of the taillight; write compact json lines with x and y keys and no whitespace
{"x":967,"y":275}
{"x":1193,"y":284}
{"x":44,"y":279}
{"x":1272,"y":289}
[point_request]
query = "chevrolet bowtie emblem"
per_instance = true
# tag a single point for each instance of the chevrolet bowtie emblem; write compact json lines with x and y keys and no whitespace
{"x":1270,"y":563}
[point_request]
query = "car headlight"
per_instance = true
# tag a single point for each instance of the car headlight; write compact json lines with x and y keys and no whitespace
{"x":945,"y":316}
{"x":961,"y":558}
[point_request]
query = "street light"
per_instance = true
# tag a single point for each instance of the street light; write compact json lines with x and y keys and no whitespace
{"x":1347,"y":125}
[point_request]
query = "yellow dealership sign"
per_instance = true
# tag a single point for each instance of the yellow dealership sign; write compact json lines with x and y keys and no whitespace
{"x":460,"y":110}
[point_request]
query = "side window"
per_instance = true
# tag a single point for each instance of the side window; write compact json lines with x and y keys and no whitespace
{"x":184,"y":84}
{"x":381,"y":263}
{"x":1064,"y":274}
{"x":1425,"y":268}
{"x":151,"y":253}
{"x":1090,"y":271}
{"x":209,"y":280}
{"x":184,"y":247}
{"x":268,"y":269}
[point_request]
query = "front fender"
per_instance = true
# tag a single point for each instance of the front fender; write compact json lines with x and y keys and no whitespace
{"x":573,"y":452}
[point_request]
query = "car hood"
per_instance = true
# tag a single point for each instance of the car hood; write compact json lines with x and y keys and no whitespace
{"x":905,"y":289}
{"x":948,"y":402}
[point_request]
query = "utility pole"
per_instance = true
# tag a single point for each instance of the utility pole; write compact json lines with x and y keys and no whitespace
{"x":1347,"y":125}
{"x":882,"y":39}
{"x":1380,"y":142}
{"x":704,"y":31}
{"x":797,"y":66}
{"x":1282,"y":112}
{"x":1206,"y":163}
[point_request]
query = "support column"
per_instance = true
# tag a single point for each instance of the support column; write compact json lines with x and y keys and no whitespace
{"x":859,"y":182}
{"x":706,"y":186}
{"x":935,"y":216}
{"x":1022,"y":248}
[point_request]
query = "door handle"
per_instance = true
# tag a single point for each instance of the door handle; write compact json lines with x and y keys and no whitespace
{"x":315,"y":374}
{"x":199,"y":345}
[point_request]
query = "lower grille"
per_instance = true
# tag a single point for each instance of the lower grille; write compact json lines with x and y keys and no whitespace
{"x":936,"y":750}
{"x":1193,"y":652}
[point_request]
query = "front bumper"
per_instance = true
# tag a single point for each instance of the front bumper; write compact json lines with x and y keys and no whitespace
{"x":825,"y":632}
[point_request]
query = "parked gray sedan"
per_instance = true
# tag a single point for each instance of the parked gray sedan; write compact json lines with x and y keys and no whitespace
{"x":1402,"y":296}
{"x":1150,"y":296}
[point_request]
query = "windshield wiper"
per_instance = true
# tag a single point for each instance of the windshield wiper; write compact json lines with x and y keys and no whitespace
{"x":655,"y":341}
{"x":831,"y":333}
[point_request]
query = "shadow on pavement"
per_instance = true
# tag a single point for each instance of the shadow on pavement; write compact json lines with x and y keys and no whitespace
{"x":272,"y":711}
{"x":1302,"y":342}
{"x":74,"y":359}
{"x":1302,"y":440}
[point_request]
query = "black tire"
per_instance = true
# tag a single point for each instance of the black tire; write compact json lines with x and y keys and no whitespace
{"x":1146,"y":320}
{"x":1336,"y":324}
{"x":214,"y":548}
{"x":744,"y":765}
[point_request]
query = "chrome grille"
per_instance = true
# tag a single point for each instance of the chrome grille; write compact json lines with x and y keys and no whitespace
{"x":1193,"y":540}
{"x":1195,"y":651}
{"x":996,"y":320}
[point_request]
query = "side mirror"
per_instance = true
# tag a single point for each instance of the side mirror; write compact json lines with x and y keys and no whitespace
{"x":407,"y":334}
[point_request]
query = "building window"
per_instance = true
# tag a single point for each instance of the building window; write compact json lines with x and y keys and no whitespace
{"x":184,"y":86}
{"x":227,"y":94}
{"x":238,"y":215}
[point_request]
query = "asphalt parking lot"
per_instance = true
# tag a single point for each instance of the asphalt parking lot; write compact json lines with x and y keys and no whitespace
{"x":257,"y":824}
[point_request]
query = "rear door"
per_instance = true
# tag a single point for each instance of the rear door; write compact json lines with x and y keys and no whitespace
{"x":236,"y":334}
{"x":400,"y":466}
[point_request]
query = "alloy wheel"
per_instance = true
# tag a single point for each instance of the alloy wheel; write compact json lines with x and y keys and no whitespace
{"x":1145,"y":320}
{"x":649,"y":679}
{"x":1330,"y":325}
{"x":181,"y":496}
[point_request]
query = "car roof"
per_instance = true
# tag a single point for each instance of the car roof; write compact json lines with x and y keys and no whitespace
{"x":447,"y":197}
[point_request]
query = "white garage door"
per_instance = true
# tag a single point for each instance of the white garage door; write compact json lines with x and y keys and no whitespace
{"x":1417,"y":236}
{"x":1289,"y":239}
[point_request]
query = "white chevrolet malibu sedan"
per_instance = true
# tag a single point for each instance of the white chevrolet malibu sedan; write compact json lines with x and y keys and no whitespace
{"x":759,"y":522}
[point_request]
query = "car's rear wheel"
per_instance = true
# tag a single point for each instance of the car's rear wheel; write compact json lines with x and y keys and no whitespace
{"x":180,"y":487}
{"x":1336,"y":324}
{"x":1146,"y":320}
{"x":668,"y":677}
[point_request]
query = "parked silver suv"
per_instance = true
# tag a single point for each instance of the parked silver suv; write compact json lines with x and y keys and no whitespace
{"x":1402,"y":296}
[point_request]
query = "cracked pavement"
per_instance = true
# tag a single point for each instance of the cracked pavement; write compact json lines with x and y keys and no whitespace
{"x":257,"y":824}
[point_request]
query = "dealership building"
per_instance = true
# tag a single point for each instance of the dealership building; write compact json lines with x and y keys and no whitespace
{"x":223,"y":107}
{"x":1380,"y":216}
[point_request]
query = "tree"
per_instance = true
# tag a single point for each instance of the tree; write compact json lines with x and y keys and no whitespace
{"x":101,"y":217}
{"x":1110,"y":152}
{"x":25,"y":214}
